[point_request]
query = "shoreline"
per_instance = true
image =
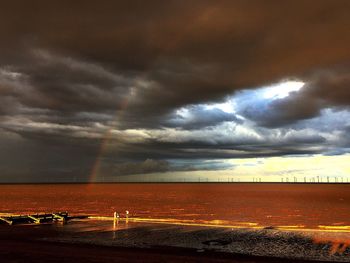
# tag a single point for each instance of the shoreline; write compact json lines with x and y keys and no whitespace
{"x":227,"y":224}
{"x":171,"y":241}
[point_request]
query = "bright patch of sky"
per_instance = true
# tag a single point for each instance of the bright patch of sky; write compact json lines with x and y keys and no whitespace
{"x":232,"y":103}
{"x":227,"y":106}
{"x":316,"y":168}
{"x":281,"y":90}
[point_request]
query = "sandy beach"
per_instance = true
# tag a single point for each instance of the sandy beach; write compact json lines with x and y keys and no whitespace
{"x":96,"y":241}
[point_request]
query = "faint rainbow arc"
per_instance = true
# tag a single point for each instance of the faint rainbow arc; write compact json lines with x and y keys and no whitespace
{"x":103,"y":146}
{"x":171,"y":45}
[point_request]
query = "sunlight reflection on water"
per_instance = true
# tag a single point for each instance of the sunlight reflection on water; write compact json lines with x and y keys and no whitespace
{"x":265,"y":204}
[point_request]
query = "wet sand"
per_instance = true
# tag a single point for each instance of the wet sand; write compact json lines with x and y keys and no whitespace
{"x":92,"y":241}
{"x":52,"y":252}
{"x":37,"y":244}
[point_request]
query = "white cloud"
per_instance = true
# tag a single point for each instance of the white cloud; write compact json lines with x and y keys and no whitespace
{"x":281,"y":90}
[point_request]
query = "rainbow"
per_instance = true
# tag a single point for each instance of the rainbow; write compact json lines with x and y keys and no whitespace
{"x":168,"y":48}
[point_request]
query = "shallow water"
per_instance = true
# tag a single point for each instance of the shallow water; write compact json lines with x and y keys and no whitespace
{"x":293,"y":205}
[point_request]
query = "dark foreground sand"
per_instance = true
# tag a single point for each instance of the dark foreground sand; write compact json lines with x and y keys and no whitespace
{"x":84,"y":242}
{"x":20,"y":251}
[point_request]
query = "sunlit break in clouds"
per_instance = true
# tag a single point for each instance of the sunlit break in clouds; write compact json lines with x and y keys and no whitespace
{"x":282,"y":90}
{"x":175,"y":91}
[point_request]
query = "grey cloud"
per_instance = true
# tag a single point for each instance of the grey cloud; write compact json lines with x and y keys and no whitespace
{"x":67,"y":85}
{"x":28,"y":159}
{"x":200,"y":117}
{"x":325,"y":89}
{"x":145,"y":167}
{"x":307,"y":139}
{"x":191,"y":52}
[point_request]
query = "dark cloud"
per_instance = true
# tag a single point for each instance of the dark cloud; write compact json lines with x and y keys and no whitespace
{"x":65,"y":85}
{"x":77,"y":74}
{"x":145,"y":167}
{"x":192,"y":150}
{"x":41,"y":159}
{"x":190,"y":52}
{"x":328,"y":88}
{"x":307,"y":139}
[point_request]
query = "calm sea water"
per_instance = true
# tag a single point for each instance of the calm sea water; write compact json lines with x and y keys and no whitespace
{"x":265,"y":204}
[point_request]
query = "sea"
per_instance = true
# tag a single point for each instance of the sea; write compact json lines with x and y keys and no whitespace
{"x":266,"y":204}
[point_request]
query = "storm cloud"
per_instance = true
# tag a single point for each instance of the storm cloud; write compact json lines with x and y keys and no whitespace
{"x":163,"y":80}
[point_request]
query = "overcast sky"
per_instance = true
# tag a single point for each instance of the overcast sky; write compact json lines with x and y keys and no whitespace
{"x":91,"y":90}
